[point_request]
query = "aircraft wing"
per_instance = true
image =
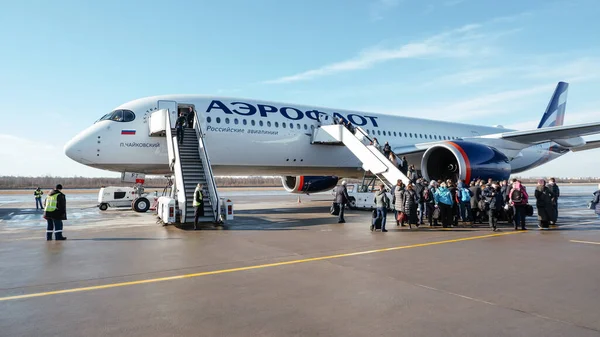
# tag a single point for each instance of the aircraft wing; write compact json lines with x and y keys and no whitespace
{"x":553,"y":133}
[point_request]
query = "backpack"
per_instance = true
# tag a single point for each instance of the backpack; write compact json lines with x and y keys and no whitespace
{"x":465,"y":195}
{"x":516,"y":196}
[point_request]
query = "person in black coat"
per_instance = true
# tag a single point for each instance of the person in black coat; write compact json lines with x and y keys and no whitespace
{"x":341,"y":198}
{"x":411,"y":202}
{"x":496,"y":204}
{"x":545,"y":207}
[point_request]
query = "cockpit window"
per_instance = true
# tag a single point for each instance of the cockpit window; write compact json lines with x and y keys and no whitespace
{"x":118,"y":116}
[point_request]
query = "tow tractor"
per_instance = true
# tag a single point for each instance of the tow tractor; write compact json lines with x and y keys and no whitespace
{"x":361,"y":195}
{"x":132,"y":197}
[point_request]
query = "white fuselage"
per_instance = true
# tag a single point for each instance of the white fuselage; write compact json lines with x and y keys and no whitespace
{"x":249,"y":137}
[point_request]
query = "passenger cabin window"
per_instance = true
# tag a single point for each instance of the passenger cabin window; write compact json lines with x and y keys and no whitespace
{"x":118,"y":116}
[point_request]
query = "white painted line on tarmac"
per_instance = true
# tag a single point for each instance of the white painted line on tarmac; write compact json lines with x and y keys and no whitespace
{"x":588,"y":242}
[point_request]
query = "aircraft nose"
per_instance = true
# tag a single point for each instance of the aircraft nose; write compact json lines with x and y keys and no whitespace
{"x":72,"y":150}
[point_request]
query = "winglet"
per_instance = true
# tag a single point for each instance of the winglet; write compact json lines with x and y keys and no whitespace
{"x":555,"y":112}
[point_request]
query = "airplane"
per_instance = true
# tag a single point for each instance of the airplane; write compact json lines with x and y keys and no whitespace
{"x":250,"y":137}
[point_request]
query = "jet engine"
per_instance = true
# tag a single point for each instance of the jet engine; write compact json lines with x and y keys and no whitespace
{"x":465,"y":161}
{"x":308,"y":184}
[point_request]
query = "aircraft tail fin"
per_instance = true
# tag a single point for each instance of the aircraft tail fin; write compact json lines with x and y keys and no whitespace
{"x":555,"y":112}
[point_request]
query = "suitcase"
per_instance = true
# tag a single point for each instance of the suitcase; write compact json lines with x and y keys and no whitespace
{"x":335,"y":209}
{"x":375,"y":222}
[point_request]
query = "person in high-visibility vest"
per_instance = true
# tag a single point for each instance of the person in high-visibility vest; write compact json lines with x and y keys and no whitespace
{"x":55,"y":212}
{"x":38,"y":198}
{"x":198,"y":204}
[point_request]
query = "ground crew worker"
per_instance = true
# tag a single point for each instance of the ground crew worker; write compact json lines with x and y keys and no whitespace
{"x":38,"y":198}
{"x":179,"y":125}
{"x":55,"y":212}
{"x":198,"y":204}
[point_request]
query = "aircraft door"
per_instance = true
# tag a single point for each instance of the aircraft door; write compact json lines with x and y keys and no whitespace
{"x":171,"y":107}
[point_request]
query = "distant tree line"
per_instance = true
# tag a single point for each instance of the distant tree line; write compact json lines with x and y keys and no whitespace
{"x":12,"y":182}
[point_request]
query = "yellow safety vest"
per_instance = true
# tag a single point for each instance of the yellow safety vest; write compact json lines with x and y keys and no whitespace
{"x":196,"y":203}
{"x":38,"y":194}
{"x":51,"y":202}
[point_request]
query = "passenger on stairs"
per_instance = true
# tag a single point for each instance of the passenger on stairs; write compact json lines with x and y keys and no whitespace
{"x":198,"y":204}
{"x":387,"y":149}
{"x":394,"y":159}
{"x":190,"y":117}
{"x":179,"y":125}
{"x":404,"y":165}
{"x":376,"y":144}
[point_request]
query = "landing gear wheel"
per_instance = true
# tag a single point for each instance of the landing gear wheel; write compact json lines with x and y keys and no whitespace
{"x":103,"y":206}
{"x":141,"y":205}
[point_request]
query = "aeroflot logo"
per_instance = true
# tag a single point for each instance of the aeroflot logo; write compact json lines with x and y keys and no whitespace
{"x":247,"y":109}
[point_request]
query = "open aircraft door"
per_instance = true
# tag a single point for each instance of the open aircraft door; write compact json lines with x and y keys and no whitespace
{"x":171,"y":107}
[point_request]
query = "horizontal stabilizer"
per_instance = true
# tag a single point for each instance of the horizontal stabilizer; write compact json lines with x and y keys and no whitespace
{"x":589,"y":145}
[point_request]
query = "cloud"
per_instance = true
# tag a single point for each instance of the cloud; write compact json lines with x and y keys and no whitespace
{"x":446,"y":44}
{"x":480,"y":106}
{"x":380,"y":7}
{"x":577,"y":70}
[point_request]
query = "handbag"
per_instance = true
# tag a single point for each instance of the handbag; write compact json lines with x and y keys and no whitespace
{"x":335,"y":209}
{"x":529,"y":210}
{"x":436,"y":214}
{"x":400,"y":217}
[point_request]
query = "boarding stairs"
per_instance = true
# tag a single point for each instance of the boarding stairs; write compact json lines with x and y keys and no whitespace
{"x":190,"y":165}
{"x":359,"y":143}
{"x":193,"y":173}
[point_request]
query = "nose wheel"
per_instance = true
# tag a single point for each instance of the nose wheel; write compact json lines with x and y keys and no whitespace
{"x":141,"y":205}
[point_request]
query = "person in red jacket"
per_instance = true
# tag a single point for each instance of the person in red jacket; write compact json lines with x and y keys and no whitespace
{"x":519,"y":198}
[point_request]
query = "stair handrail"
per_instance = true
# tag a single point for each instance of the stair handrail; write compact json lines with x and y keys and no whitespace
{"x":170,"y":147}
{"x":208,"y":172}
{"x":373,"y":150}
{"x":175,"y":166}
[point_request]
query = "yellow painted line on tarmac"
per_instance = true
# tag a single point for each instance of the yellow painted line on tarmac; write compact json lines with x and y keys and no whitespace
{"x":232,"y":270}
{"x":588,"y":242}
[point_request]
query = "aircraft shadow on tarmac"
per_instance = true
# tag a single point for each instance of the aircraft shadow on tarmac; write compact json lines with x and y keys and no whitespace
{"x":253,"y":220}
{"x":125,"y":239}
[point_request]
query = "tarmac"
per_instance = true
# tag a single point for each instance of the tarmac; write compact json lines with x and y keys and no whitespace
{"x":283,"y":268}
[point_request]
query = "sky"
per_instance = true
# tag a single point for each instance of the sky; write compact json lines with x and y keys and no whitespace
{"x":64,"y":64}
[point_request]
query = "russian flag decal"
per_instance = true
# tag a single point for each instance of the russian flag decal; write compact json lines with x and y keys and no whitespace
{"x":128,"y":132}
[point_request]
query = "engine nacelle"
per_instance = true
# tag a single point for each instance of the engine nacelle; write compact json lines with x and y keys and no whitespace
{"x":308,"y":184}
{"x":465,"y":161}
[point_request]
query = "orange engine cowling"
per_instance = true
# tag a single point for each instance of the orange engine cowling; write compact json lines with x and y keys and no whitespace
{"x":308,"y":184}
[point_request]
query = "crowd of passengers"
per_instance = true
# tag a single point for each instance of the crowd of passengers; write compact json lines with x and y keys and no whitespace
{"x":449,"y":202}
